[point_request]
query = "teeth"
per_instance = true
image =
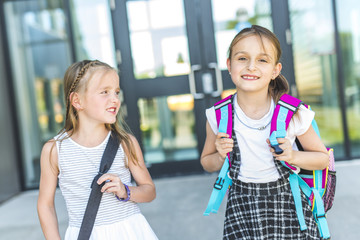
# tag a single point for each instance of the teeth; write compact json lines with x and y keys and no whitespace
{"x":249,"y":77}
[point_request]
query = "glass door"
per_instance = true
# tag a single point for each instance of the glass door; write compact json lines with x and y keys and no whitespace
{"x":39,"y":55}
{"x":172,"y":60}
{"x":315,"y":63}
{"x":348,"y":15}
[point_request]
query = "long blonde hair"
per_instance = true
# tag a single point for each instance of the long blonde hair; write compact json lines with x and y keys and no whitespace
{"x":280,"y":85}
{"x":76,"y":79}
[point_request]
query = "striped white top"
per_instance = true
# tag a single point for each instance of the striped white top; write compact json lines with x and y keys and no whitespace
{"x":78,"y":166}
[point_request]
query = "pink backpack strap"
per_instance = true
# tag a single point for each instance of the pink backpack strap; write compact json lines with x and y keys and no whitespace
{"x":291,"y":104}
{"x":224,"y":116}
{"x":284,"y":111}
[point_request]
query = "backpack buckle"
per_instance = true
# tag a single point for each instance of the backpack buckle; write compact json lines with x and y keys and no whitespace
{"x":320,"y":216}
{"x":219,"y":183}
{"x":277,"y":149}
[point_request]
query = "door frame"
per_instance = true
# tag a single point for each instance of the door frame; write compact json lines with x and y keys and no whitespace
{"x":135,"y":89}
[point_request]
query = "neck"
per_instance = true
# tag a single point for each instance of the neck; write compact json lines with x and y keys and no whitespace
{"x":90,"y":136}
{"x":255,"y":106}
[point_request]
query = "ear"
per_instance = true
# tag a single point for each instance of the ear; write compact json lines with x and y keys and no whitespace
{"x":277,"y":70}
{"x":228,"y":63}
{"x":75,"y":100}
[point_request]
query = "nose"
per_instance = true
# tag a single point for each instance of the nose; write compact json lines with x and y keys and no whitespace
{"x":251,"y":65}
{"x":115,"y":98}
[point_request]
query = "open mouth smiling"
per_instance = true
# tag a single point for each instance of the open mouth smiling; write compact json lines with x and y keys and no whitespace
{"x":249,"y":77}
{"x":111,"y":110}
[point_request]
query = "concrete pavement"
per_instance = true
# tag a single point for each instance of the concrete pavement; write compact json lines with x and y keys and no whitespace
{"x":176,"y":213}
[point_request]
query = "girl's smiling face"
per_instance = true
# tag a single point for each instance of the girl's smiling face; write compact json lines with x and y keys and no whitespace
{"x":252,"y":64}
{"x":101,"y":102}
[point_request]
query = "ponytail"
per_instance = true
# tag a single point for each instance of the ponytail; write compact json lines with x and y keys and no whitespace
{"x":278,"y":87}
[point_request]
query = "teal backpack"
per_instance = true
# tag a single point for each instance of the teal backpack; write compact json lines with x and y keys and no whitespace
{"x":318,"y":185}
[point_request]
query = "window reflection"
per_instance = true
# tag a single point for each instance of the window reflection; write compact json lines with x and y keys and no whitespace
{"x":315,"y":66}
{"x":40,"y":54}
{"x":158,"y":38}
{"x":167,"y":125}
{"x":232,"y":16}
{"x":92,"y":30}
{"x":50,"y":105}
{"x":349,"y":31}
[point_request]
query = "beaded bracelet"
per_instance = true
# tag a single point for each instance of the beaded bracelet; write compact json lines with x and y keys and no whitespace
{"x":128,"y":195}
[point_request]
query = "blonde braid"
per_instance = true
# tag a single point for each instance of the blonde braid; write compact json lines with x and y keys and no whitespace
{"x":80,"y":74}
{"x":78,"y":77}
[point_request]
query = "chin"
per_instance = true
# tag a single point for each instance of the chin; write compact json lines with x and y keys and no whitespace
{"x":111,"y":121}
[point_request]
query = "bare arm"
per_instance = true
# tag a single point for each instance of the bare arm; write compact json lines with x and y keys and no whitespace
{"x":48,"y":183}
{"x":144,"y":191}
{"x":215,"y":149}
{"x":314,"y":156}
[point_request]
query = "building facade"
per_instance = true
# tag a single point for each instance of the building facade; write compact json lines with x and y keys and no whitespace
{"x":171,"y":56}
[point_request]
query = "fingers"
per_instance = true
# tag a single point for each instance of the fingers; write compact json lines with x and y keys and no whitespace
{"x":286,"y":146}
{"x":112,"y":184}
{"x":222,"y":135}
{"x":108,"y":177}
{"x":283,"y":140}
{"x":223,"y":144}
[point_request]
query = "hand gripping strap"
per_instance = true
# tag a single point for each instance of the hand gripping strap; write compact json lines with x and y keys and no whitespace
{"x":223,"y":110}
{"x":284,"y":111}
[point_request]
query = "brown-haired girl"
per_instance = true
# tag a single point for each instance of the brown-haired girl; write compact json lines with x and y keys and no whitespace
{"x":260,"y":203}
{"x":92,"y":105}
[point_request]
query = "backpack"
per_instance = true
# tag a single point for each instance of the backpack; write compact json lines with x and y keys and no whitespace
{"x":318,"y":185}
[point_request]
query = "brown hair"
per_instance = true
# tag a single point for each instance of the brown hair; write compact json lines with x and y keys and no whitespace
{"x":76,"y":79}
{"x":280,"y":85}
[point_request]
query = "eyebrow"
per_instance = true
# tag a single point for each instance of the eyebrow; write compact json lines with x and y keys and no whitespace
{"x":108,"y":87}
{"x":261,"y":54}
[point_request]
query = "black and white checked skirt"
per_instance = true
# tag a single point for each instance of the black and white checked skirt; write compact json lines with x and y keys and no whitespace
{"x":266,"y":211}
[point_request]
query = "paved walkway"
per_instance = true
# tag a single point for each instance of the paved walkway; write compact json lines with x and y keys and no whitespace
{"x":176,"y":213}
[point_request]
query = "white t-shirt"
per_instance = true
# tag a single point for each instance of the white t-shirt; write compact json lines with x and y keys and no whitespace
{"x":257,"y":164}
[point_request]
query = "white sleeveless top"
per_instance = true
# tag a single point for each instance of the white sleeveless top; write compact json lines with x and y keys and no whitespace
{"x":78,"y":166}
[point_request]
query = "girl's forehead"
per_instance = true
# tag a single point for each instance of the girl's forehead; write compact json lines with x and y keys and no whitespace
{"x":103,"y":77}
{"x":262,"y":44}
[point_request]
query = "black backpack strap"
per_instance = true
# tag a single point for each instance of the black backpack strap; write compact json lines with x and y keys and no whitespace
{"x":95,"y":195}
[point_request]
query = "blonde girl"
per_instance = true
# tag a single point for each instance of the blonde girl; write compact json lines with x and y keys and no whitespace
{"x":73,"y":157}
{"x":260,"y":204}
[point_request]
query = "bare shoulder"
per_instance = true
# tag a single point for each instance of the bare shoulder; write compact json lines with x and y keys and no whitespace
{"x":49,"y":154}
{"x":133,"y":139}
{"x":49,"y":148}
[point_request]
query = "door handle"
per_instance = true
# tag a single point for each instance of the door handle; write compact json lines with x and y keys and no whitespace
{"x":192,"y":84}
{"x":219,"y":82}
